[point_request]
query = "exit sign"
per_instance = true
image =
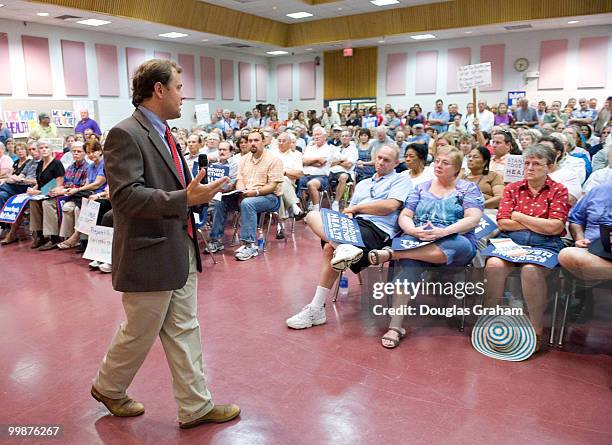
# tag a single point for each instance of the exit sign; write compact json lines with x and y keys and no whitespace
{"x":348,"y":52}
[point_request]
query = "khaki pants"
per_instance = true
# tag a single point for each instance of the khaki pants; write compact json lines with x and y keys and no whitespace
{"x":42,"y":217}
{"x":288,"y":198}
{"x":173,"y":316}
{"x":70,"y":214}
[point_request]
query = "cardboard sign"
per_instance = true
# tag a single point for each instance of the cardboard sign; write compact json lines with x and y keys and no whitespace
{"x":283,"y":109}
{"x":217,"y":171}
{"x":340,"y":228}
{"x":88,"y":216}
{"x":514,"y":96}
{"x":13,"y":208}
{"x":470,"y":76}
{"x":407,"y":242}
{"x":63,"y":118}
{"x":485,"y":227}
{"x":514,"y":168}
{"x":100,"y":244}
{"x":541,"y":257}
{"x":202,"y":112}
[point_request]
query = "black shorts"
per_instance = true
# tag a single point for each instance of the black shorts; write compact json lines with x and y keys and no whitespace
{"x":333,"y":178}
{"x":373,"y":238}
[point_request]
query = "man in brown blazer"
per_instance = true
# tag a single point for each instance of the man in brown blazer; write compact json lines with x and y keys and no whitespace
{"x":155,"y":252}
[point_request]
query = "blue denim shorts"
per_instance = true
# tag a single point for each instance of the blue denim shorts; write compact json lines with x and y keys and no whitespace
{"x":304,"y":180}
{"x":532,"y":239}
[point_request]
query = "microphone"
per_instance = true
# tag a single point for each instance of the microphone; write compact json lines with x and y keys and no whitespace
{"x":202,"y":164}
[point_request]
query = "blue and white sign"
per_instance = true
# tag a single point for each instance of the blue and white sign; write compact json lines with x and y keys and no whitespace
{"x":339,"y":228}
{"x":407,"y":242}
{"x":217,"y":171}
{"x":485,"y":227}
{"x":531,"y":255}
{"x":369,"y":122}
{"x":514,"y":96}
{"x":13,"y":208}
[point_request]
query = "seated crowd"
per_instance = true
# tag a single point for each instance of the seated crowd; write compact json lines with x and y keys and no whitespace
{"x":430,"y":176}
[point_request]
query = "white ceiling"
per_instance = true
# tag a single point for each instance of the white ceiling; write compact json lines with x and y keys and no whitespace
{"x":278,"y":9}
{"x":24,"y":11}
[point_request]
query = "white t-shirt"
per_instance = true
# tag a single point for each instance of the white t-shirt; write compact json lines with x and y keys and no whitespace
{"x":344,"y":154}
{"x":324,"y":151}
{"x":486,"y":120}
{"x":601,"y":176}
{"x":426,"y":175}
{"x":569,"y":178}
{"x":292,"y":160}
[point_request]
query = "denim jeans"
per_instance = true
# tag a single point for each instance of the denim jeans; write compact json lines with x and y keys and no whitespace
{"x":8,"y":190}
{"x":249,"y":208}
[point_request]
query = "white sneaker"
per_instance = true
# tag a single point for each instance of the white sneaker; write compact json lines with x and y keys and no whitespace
{"x":344,"y":256}
{"x":296,"y":210}
{"x":247,"y":253}
{"x":335,"y":206}
{"x":308,"y":317}
{"x":105,"y":268}
{"x":95,"y":264}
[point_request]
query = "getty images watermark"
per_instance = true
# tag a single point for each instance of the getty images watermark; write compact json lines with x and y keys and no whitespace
{"x":410,"y":289}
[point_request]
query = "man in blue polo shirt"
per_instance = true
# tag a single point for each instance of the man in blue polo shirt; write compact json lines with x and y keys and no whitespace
{"x":87,"y":123}
{"x":439,"y":118}
{"x":376,"y":205}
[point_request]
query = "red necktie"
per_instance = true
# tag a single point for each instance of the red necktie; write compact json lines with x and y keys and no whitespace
{"x":179,"y":170}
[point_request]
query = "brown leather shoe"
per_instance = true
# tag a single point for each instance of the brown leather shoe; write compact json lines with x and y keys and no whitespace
{"x":219,"y":414}
{"x":125,"y":407}
{"x":38,"y":242}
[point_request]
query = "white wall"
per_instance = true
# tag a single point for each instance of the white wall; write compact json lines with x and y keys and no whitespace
{"x":111,"y":109}
{"x":518,"y":44}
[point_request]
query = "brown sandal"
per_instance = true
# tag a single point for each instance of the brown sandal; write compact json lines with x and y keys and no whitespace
{"x":395,"y":341}
{"x":9,"y":240}
{"x":65,"y":245}
{"x":380,"y":256}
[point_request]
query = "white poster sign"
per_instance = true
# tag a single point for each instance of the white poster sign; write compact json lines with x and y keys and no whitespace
{"x":283,"y":109}
{"x":470,"y":76}
{"x":513,"y":170}
{"x":100,"y":245}
{"x":88,"y":216}
{"x":202,"y":114}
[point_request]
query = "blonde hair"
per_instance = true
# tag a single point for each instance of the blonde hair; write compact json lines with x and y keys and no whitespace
{"x":454,"y":153}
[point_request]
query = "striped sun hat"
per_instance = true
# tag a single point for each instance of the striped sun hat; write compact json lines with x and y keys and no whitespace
{"x":504,"y":337}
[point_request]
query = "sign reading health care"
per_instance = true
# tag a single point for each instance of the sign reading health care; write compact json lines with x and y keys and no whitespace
{"x":339,"y":228}
{"x":407,"y":242}
{"x":13,"y":208}
{"x":529,"y":255}
{"x":470,"y":76}
{"x":217,"y":171}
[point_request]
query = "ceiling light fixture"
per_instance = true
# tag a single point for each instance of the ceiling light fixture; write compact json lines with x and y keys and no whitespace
{"x":173,"y":35}
{"x":468,"y":32}
{"x":381,"y":41}
{"x":42,"y":14}
{"x":307,"y":49}
{"x":572,"y":22}
{"x":299,"y":15}
{"x":384,"y":2}
{"x":93,"y":22}
{"x":276,"y":53}
{"x":1,"y":5}
{"x":204,"y":40}
{"x":423,"y":37}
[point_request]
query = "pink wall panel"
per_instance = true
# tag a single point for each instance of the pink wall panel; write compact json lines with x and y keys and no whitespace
{"x":553,"y":55}
{"x":308,"y":80}
{"x":134,"y":57}
{"x":227,"y":79}
{"x":456,"y":57}
{"x":108,"y":71}
{"x":495,"y":55}
{"x":208,"y":77}
{"x":244,"y":80}
{"x":593,"y":62}
{"x":284,"y":81}
{"x":396,"y":74}
{"x":426,"y":72}
{"x":38,"y":65}
{"x":261,"y":82}
{"x":162,"y":55}
{"x":75,"y":68}
{"x":186,"y":61}
{"x":5,"y":74}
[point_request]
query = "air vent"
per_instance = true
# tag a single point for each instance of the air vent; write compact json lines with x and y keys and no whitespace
{"x":67,"y":17}
{"x":236,"y":45}
{"x":515,"y":27}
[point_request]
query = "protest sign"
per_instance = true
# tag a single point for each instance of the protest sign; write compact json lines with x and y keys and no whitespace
{"x":513,"y":170}
{"x":283,"y":109}
{"x":88,"y":216}
{"x":100,"y":244}
{"x":20,"y":123}
{"x":485,"y":227}
{"x":217,"y":171}
{"x":13,"y":208}
{"x":369,"y":122}
{"x":470,"y":76}
{"x":514,"y":96}
{"x":202,"y":112}
{"x":63,"y":118}
{"x":407,"y":242}
{"x":340,"y":228}
{"x":530,"y":255}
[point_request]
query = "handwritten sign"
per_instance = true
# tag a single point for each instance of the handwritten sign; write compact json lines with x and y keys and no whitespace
{"x":513,"y":170}
{"x":407,"y":242}
{"x":340,"y":228}
{"x":202,"y":112}
{"x":514,"y":96}
{"x":88,"y":216}
{"x":13,"y":208}
{"x":485,"y":227}
{"x":541,"y":257}
{"x":217,"y":171}
{"x":63,"y":118}
{"x":470,"y":76}
{"x":283,"y":109}
{"x":100,"y":244}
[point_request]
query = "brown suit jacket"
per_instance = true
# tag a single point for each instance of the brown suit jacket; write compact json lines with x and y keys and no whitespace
{"x":150,"y":241}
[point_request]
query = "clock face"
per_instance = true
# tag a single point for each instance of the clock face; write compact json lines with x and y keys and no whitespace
{"x":521,"y":64}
